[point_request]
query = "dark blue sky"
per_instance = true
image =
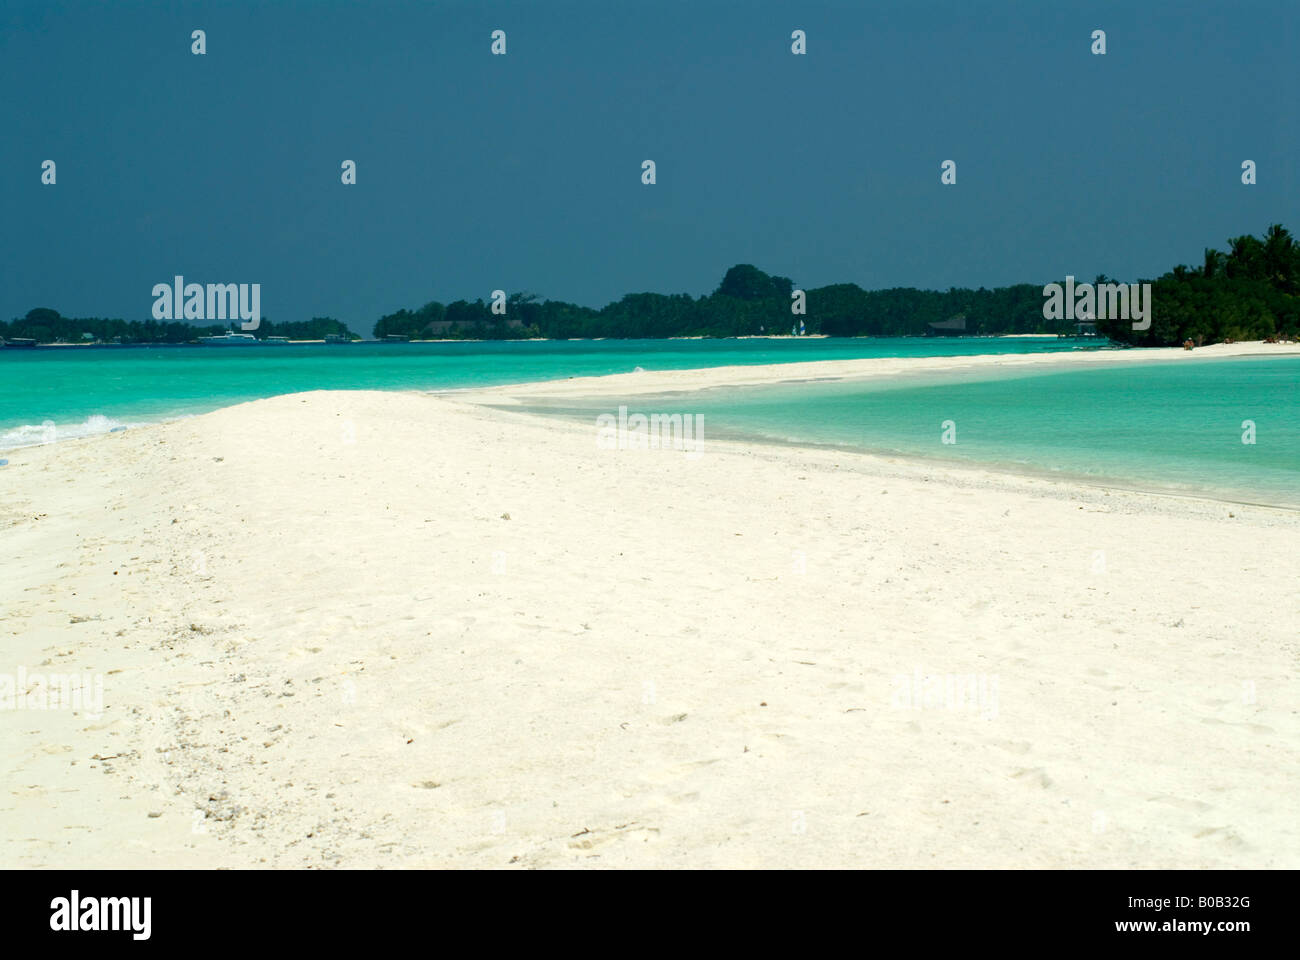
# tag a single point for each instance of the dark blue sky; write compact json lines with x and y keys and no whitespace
{"x":523,"y":171}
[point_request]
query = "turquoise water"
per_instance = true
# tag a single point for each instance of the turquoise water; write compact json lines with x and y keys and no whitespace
{"x":1176,"y":427}
{"x":90,"y":390}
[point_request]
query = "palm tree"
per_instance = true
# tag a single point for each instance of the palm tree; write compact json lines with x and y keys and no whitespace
{"x":1279,"y":254}
{"x":1243,"y":257}
{"x":1213,"y":263}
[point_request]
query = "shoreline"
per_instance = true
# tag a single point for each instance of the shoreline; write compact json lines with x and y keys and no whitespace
{"x":691,"y":380}
{"x":649,"y":383}
{"x":664,"y":381}
{"x":971,"y":470}
{"x":455,"y":635}
{"x":748,"y":336}
{"x":979,"y":471}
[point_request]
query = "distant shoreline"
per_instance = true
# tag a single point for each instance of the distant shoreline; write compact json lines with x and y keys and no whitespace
{"x":664,"y":381}
{"x":757,"y":336}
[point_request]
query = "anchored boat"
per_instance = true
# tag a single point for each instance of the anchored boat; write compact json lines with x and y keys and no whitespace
{"x":230,"y":339}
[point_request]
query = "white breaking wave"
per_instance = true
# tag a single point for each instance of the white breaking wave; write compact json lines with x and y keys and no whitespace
{"x":36,"y":434}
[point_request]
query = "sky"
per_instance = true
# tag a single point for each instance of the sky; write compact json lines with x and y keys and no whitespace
{"x":523,"y":172}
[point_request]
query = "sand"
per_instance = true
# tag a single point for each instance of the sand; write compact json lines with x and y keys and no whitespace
{"x":362,"y":629}
{"x":664,"y":381}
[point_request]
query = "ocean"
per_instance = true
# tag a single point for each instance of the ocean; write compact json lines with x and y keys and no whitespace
{"x":1226,"y":429}
{"x":86,"y":390}
{"x":1177,"y":427}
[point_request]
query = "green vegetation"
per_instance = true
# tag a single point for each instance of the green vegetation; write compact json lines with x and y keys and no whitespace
{"x":47,"y":326}
{"x":317,"y":328}
{"x":1251,"y":292}
{"x":748,"y":302}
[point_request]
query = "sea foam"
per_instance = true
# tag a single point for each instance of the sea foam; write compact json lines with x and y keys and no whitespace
{"x":36,"y":434}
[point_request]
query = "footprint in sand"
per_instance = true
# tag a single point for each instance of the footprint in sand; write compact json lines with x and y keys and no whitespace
{"x":1252,"y":727}
{"x":1196,"y":806}
{"x":677,"y":772}
{"x":1033,"y":775}
{"x":1225,"y":834}
{"x":587,"y":839}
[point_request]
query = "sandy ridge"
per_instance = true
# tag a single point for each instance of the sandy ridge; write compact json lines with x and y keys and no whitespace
{"x":324,"y":644}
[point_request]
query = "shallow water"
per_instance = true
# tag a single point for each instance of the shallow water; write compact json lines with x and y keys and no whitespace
{"x":85,"y":390}
{"x":1177,"y":427}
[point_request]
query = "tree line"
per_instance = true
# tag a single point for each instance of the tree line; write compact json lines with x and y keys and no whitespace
{"x":748,"y":302}
{"x":48,"y":326}
{"x":1251,"y":291}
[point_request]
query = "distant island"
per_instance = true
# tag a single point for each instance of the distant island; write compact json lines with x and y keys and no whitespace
{"x":47,"y":326}
{"x":1249,"y":292}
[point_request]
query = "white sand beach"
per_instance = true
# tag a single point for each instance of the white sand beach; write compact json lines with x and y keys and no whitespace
{"x":662,"y":381}
{"x":364,"y":629}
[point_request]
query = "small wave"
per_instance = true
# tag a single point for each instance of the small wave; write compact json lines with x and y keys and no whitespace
{"x":37,"y":434}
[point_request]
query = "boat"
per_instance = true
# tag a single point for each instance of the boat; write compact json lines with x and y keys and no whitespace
{"x":19,"y":343}
{"x":230,"y":339}
{"x":276,"y":341}
{"x":337,"y":338}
